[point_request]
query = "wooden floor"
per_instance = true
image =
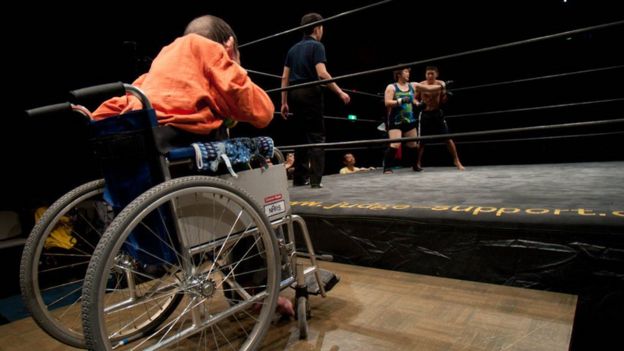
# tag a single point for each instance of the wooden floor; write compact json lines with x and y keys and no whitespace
{"x":372,"y":309}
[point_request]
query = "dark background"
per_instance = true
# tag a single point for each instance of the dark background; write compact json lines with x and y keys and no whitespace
{"x":49,"y":49}
{"x":56,"y":48}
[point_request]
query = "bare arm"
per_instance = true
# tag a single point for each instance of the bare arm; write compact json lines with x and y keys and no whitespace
{"x":389,"y":100}
{"x":443,"y":97}
{"x":321,"y":71}
{"x":284,"y":109}
{"x":420,"y":87}
{"x":417,"y":95}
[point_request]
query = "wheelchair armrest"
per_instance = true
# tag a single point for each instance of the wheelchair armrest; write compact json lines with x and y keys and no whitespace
{"x":181,"y":153}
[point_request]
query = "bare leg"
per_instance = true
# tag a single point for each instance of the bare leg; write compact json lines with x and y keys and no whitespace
{"x":285,"y":307}
{"x":411,"y":150}
{"x":391,"y":151}
{"x":453,"y":150}
{"x":421,"y":149}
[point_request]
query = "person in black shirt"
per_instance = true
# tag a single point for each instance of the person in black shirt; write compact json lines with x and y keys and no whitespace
{"x":305,"y":62}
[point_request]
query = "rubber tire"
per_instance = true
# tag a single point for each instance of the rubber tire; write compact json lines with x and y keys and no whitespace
{"x":111,"y":241}
{"x":31,"y":257}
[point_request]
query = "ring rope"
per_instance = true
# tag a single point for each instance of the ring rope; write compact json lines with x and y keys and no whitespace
{"x":349,"y":120}
{"x":535,"y":108}
{"x":338,"y":118}
{"x":472,"y":114}
{"x":379,"y":96}
{"x":537,"y":78}
{"x":486,"y":85}
{"x":263,"y":73}
{"x":316,"y":23}
{"x":456,"y":135}
{"x":552,"y":137}
{"x":444,"y":57}
{"x":466,"y":142}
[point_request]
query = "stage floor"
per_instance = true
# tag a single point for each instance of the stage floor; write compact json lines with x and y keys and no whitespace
{"x":553,"y":227}
{"x":587,"y":194}
{"x":373,"y":309}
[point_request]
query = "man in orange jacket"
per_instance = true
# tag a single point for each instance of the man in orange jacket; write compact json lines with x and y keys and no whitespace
{"x":197,"y":82}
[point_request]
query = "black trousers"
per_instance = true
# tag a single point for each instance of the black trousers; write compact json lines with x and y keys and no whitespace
{"x":307,"y":127}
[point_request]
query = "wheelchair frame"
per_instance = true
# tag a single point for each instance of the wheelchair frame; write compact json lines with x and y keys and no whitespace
{"x":187,"y":278}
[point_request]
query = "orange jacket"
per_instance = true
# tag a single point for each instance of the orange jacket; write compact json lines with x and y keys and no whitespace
{"x":193,"y":85}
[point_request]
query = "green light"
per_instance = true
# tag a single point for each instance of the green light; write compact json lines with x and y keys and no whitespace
{"x":352,"y":117}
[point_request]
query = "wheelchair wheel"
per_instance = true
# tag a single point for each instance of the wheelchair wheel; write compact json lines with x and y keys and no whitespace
{"x":219,"y":254}
{"x":55,"y":259}
{"x":278,"y":156}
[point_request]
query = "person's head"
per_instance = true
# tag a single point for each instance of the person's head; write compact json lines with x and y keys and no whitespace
{"x":348,"y":160}
{"x":317,"y":30}
{"x":402,"y":74}
{"x":290,"y":156}
{"x":431,"y":73}
{"x":215,"y":29}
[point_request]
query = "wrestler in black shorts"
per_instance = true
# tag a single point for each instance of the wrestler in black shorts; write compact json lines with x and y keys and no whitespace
{"x":433,"y":123}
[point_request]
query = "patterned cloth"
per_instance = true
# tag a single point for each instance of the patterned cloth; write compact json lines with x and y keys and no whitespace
{"x":403,"y":113}
{"x":238,"y":151}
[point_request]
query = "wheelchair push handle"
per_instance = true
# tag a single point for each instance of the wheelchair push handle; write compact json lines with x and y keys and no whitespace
{"x":49,"y":109}
{"x":60,"y":108}
{"x":106,"y":91}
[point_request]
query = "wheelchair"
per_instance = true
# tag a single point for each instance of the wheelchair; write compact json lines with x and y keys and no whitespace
{"x":194,"y":261}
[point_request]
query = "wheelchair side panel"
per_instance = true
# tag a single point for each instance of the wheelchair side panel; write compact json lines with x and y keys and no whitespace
{"x":268,"y":187}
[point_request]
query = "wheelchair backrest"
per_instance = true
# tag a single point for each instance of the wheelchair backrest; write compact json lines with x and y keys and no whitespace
{"x":125,"y":147}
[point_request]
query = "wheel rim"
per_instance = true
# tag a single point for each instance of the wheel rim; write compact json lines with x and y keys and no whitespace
{"x":218,"y":310}
{"x":59,"y":259}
